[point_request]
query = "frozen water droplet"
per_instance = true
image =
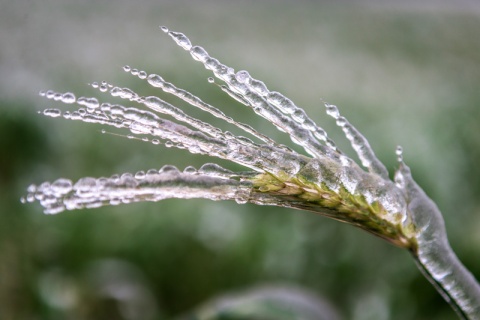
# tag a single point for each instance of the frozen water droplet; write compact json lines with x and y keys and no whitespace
{"x":169,"y":144}
{"x":156,"y":81}
{"x":287,"y":106}
{"x":140,"y":175}
{"x":242,"y":76}
{"x":257,"y":86}
{"x":151,"y":173}
{"x":332,"y":110}
{"x":42,"y":93}
{"x":52,"y":112}
{"x":168,"y":168}
{"x":320,"y":134}
{"x":32,"y":188}
{"x":164,"y":29}
{"x":68,"y":98}
{"x":341,"y":121}
{"x":103,"y":131}
{"x":275,"y":98}
{"x":30,"y":198}
{"x":211,"y":80}
{"x":54,"y":208}
{"x":62,"y":186}
{"x":142,"y":74}
{"x":190,"y":169}
{"x":128,"y":180}
{"x":299,"y":116}
{"x":85,"y":184}
{"x":155,"y":141}
{"x":399,"y":153}
{"x":181,"y":40}
{"x":241,"y":200}
{"x":199,"y":54}
{"x":49,"y":94}
{"x":134,"y":72}
{"x":213,"y":169}
{"x":126,"y":68}
{"x":124,"y":93}
{"x":105,"y":107}
{"x":229,"y":135}
{"x":94,"y":85}
{"x":88,"y":102}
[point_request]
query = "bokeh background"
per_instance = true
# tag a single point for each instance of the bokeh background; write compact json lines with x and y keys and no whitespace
{"x":405,"y":74}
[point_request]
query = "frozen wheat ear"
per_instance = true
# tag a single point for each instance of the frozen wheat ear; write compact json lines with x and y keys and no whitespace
{"x":323,"y":180}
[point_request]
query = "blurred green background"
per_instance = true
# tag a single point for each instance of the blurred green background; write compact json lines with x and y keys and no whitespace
{"x":404,"y":74}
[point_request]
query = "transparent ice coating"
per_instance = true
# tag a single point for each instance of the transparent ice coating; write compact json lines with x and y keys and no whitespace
{"x":153,"y":185}
{"x":325,"y":181}
{"x":273,"y":106}
{"x":434,"y":255}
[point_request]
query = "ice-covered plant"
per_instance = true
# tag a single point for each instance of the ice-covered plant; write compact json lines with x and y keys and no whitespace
{"x":325,"y":181}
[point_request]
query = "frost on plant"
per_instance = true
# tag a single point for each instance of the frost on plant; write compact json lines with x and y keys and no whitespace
{"x":325,"y":181}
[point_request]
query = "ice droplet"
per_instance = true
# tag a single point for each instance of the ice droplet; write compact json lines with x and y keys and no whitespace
{"x":49,"y":94}
{"x":85,"y":184}
{"x":181,"y":40}
{"x":241,"y":200}
{"x":151,"y":173}
{"x":332,"y":110}
{"x":199,"y":54}
{"x":52,"y":112}
{"x":68,"y":98}
{"x":341,"y":121}
{"x":299,"y":116}
{"x":211,"y":80}
{"x":103,"y":88}
{"x":88,"y":102}
{"x":140,"y":175}
{"x":164,"y":29}
{"x":399,"y":153}
{"x":190,"y":169}
{"x":62,"y":186}
{"x":213,"y":169}
{"x":168,"y":168}
{"x":287,"y":106}
{"x":242,"y":76}
{"x":126,"y":68}
{"x":156,"y":81}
